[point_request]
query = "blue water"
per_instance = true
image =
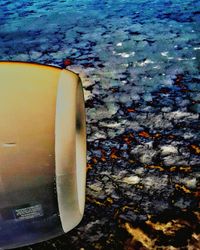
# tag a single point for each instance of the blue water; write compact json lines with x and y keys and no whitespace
{"x":71,"y":28}
{"x":151,"y":38}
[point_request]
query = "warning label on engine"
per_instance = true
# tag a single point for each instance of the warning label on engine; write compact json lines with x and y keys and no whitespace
{"x":30,"y":212}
